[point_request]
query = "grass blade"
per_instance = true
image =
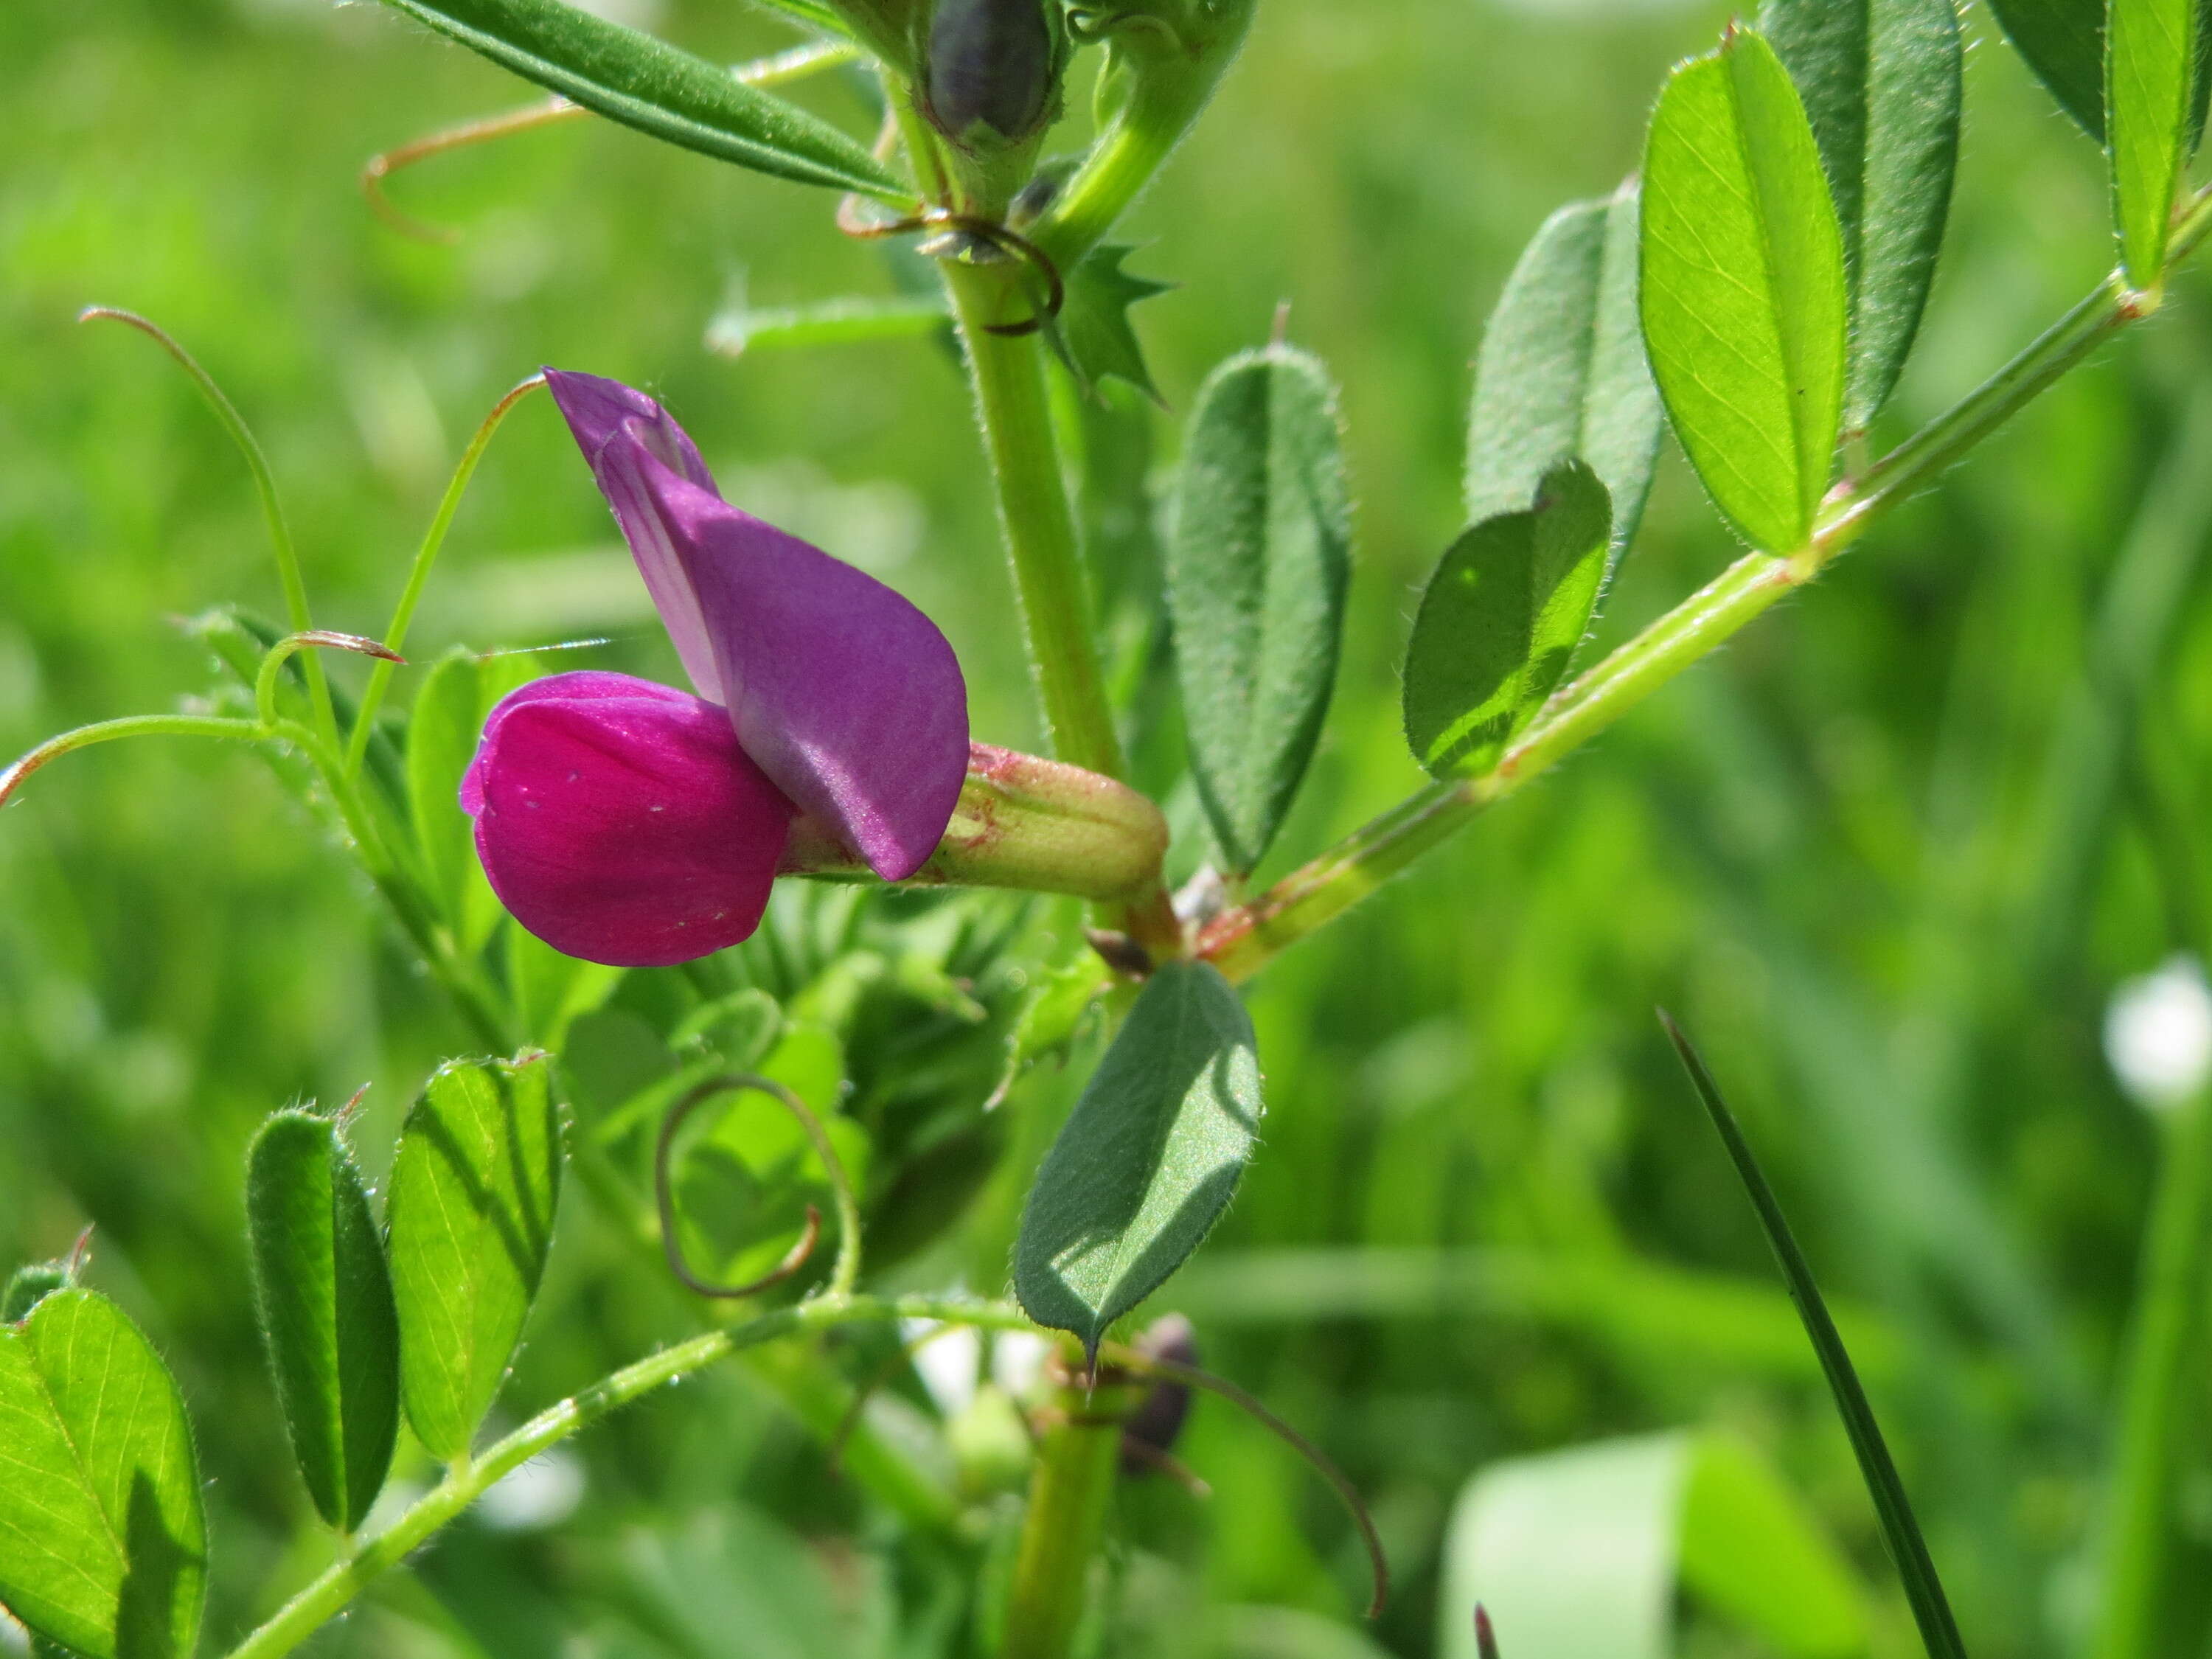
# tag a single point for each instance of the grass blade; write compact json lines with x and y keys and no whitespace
{"x":1931,"y":1609}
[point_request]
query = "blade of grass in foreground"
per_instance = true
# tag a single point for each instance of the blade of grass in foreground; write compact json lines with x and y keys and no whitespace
{"x":1931,"y":1610}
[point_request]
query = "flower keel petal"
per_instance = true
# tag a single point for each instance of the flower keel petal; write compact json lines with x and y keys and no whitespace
{"x":619,"y":821}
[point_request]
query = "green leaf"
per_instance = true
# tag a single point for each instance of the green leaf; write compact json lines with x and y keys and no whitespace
{"x":1743,"y":289}
{"x":647,"y":84}
{"x":103,"y":1543}
{"x":473,"y":1191}
{"x":1500,"y":621}
{"x":2064,"y":43}
{"x":1563,"y":374}
{"x":1881,"y":82}
{"x":1092,"y":334}
{"x":2150,"y":60}
{"x":1148,"y":1159}
{"x":1257,"y":566}
{"x":1923,"y":1589}
{"x":324,"y":1298}
{"x":552,"y":991}
{"x":30,"y":1285}
{"x":1583,"y":1551}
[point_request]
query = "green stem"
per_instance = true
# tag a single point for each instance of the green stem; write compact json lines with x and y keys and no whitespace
{"x":1244,"y":941}
{"x":418,"y":574}
{"x":1065,"y":1523}
{"x":1035,"y":516}
{"x":1039,"y":526}
{"x":330,"y":1593}
{"x":2158,"y":1393}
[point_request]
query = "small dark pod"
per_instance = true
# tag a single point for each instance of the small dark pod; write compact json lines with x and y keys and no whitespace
{"x":990,"y":62}
{"x":1150,"y":1432}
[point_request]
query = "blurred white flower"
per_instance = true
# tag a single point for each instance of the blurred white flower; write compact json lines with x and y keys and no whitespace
{"x":14,"y":1639}
{"x":543,"y":1492}
{"x":947,"y":1360}
{"x":1018,"y":1362}
{"x":2158,"y":1033}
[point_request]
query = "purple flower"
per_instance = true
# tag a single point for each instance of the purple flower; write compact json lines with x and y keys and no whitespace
{"x":631,"y":824}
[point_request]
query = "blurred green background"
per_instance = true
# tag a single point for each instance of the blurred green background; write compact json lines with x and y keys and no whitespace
{"x":1883,"y":856}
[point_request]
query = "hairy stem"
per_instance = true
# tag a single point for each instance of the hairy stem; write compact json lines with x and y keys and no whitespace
{"x":1039,"y":526}
{"x":329,"y":1594}
{"x":1244,"y":941}
{"x":1066,"y":1523}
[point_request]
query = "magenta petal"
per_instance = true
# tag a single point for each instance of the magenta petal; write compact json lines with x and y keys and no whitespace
{"x":597,"y":411}
{"x":844,"y":693}
{"x":619,"y":821}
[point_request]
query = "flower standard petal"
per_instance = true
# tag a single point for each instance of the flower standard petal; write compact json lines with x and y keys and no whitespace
{"x":597,"y":411}
{"x":620,"y":821}
{"x":843,"y":692}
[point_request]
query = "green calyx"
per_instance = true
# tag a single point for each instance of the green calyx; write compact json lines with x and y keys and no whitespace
{"x":1023,"y":822}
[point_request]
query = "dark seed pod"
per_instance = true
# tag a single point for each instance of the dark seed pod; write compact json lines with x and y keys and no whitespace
{"x":990,"y":64}
{"x":1150,"y":1432}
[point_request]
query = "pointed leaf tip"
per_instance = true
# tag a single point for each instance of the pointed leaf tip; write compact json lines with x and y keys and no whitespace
{"x":1149,"y":1158}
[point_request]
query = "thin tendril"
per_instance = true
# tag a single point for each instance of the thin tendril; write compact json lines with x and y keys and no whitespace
{"x":846,"y":1272}
{"x":418,"y":573}
{"x":1136,"y":1360}
{"x":264,"y":484}
{"x":272,"y":663}
{"x":133,"y":725}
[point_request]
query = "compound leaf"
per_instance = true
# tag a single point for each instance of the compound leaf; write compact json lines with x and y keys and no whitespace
{"x":1257,"y":567}
{"x":1881,"y":80}
{"x":103,"y":1542}
{"x":1148,"y":1159}
{"x":1563,"y":374}
{"x":1742,"y":288}
{"x":1500,"y":621}
{"x":473,"y":1191}
{"x":325,"y":1297}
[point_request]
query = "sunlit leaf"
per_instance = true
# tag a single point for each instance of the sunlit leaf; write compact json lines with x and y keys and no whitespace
{"x":470,"y":1210}
{"x":1743,"y":289}
{"x":1881,"y":80}
{"x":324,"y":1298}
{"x":103,"y":1543}
{"x":2151,"y":57}
{"x":1563,"y":374}
{"x":1149,"y":1158}
{"x":1257,"y":566}
{"x":1500,"y":621}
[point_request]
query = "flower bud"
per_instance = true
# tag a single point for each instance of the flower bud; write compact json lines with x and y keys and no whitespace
{"x":992,"y":71}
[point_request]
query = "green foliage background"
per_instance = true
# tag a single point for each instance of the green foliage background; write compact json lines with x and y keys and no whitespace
{"x":1857,"y":853}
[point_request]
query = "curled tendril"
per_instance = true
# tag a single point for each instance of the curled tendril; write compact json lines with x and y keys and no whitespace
{"x":1012,"y":243}
{"x":848,"y":1268}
